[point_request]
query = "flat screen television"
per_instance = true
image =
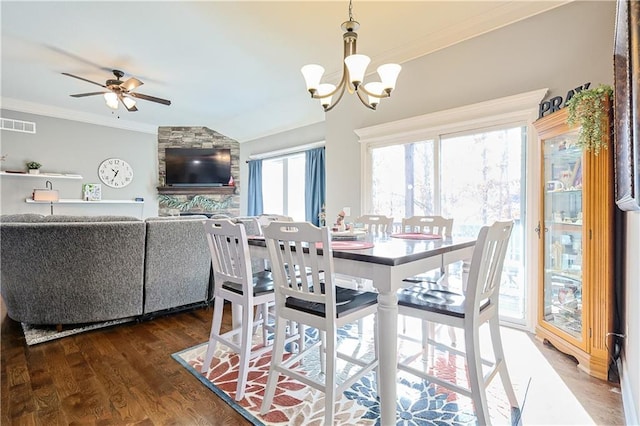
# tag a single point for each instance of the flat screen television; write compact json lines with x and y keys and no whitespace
{"x":197,"y":166}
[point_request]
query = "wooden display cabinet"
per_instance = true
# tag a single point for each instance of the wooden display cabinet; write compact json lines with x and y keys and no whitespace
{"x":576,"y":232}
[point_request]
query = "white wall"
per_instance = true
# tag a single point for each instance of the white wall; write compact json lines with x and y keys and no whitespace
{"x":65,"y":146}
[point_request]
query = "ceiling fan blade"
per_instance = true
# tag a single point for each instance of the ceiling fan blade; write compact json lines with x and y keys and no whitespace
{"x":150,"y":98}
{"x":81,"y":95}
{"x":83,"y":79}
{"x":131,"y":84}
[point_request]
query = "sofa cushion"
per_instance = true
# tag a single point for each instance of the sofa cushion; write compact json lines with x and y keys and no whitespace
{"x":177,"y":263}
{"x":71,"y":273}
{"x":22,"y":217}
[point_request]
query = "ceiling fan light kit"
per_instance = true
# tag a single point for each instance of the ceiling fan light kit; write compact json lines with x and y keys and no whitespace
{"x":353,"y":72}
{"x":119,"y":91}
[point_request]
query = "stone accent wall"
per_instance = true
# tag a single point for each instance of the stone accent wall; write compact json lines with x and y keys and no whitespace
{"x":198,"y":137}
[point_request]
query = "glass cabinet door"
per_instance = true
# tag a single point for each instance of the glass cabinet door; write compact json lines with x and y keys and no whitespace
{"x":563,"y":245}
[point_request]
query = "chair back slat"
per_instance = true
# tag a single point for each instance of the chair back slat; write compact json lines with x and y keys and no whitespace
{"x":295,"y":258}
{"x":376,"y":224}
{"x":229,"y":251}
{"x":437,"y":225}
{"x":485,"y":272}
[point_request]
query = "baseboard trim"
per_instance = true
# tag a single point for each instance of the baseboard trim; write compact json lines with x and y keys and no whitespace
{"x":628,"y":402}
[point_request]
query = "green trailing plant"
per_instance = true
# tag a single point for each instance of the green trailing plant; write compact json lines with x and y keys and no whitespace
{"x":206,"y":204}
{"x":33,"y":165}
{"x":588,"y":109}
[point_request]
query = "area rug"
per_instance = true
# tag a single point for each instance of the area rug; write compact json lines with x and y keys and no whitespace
{"x":35,"y":334}
{"x":419,"y":402}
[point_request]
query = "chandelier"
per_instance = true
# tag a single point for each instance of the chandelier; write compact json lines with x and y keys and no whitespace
{"x":353,"y":72}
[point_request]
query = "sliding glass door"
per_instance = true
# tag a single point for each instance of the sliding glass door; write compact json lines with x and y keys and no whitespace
{"x":474,"y":177}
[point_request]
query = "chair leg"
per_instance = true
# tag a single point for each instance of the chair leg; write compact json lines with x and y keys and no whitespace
{"x":496,"y":340}
{"x":264,"y":308}
{"x":330,"y":356}
{"x":245,"y":352}
{"x":476,"y":378}
{"x":428,"y":332}
{"x":323,"y":350}
{"x":452,"y":335}
{"x":276,"y":359}
{"x":216,"y":324}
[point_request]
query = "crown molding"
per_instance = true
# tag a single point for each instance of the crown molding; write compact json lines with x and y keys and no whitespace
{"x":523,"y":106}
{"x":67,"y":114}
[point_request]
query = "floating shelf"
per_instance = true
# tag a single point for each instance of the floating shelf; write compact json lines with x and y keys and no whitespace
{"x":78,"y":201}
{"x":43,"y":175}
{"x":192,"y":190}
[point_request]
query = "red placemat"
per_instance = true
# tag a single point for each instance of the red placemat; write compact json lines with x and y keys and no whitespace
{"x":348,"y":245}
{"x":417,"y":236}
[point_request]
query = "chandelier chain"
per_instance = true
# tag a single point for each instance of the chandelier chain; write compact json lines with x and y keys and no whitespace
{"x":350,"y":10}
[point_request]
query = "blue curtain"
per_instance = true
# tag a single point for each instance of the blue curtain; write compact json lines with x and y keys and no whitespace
{"x":315,"y":186}
{"x":255,"y":188}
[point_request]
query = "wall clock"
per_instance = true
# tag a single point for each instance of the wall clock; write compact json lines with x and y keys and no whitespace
{"x":115,"y":172}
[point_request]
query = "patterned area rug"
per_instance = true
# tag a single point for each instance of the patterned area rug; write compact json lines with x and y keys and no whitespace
{"x":419,"y":402}
{"x":35,"y":334}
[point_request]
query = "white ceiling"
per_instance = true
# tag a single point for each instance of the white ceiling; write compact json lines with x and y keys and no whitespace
{"x":232,"y":66}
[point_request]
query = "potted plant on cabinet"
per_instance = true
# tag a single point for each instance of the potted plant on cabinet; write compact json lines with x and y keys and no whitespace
{"x":34,"y":167}
{"x":588,"y":109}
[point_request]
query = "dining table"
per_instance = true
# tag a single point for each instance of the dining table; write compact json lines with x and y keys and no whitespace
{"x":386,"y":260}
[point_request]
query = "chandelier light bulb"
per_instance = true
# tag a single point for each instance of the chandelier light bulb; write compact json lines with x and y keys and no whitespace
{"x":111,"y":99}
{"x":375,"y":88}
{"x":128,"y":102}
{"x":312,"y":74}
{"x":357,"y":66}
{"x":389,"y":74}
{"x":323,"y":90}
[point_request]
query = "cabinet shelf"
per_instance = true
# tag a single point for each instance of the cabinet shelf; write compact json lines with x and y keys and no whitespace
{"x":565,"y":191}
{"x":42,"y":175}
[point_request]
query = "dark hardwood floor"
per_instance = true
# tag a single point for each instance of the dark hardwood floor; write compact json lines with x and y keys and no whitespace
{"x":125,"y":375}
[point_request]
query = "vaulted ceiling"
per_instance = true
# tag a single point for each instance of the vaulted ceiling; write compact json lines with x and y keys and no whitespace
{"x":233,"y":66}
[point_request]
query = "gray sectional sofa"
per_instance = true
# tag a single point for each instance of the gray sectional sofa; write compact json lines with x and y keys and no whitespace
{"x":80,"y":269}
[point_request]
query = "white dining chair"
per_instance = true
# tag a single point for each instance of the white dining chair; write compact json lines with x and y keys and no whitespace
{"x":235,"y":282}
{"x":437,"y":225}
{"x":468,"y":312}
{"x":316,"y":302}
{"x":376,"y":224}
{"x":265,"y":219}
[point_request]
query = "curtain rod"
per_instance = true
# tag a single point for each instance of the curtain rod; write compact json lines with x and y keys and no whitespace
{"x":285,"y":151}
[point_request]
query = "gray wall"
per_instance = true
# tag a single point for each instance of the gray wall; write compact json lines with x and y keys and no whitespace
{"x":560,"y":50}
{"x":65,"y":146}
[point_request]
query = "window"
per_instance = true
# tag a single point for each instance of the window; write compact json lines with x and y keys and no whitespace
{"x":469,"y":164}
{"x":283,"y":185}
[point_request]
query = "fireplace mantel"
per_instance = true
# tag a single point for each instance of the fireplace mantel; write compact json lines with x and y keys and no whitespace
{"x":194,"y":190}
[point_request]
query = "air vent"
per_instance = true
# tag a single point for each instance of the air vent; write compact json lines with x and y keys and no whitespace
{"x":18,"y":125}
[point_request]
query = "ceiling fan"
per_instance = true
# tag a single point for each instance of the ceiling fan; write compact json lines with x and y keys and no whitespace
{"x":119,"y":90}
